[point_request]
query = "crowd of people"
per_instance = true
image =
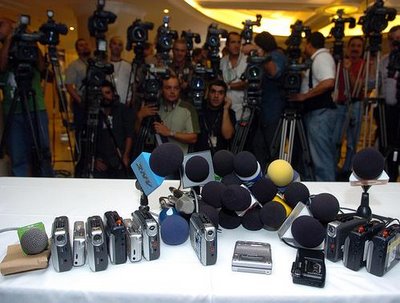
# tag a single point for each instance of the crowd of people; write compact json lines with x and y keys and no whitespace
{"x":331,"y":99}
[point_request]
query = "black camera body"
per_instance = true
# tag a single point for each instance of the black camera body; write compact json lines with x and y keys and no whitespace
{"x":355,"y":245}
{"x":52,"y":30}
{"x":253,"y":75}
{"x":99,"y":21}
{"x":165,"y":38}
{"x":309,"y":268}
{"x":116,"y":237}
{"x":61,"y":251}
{"x":198,"y":84}
{"x":189,"y":37}
{"x":384,"y":251}
{"x":376,"y":18}
{"x":138,"y":33}
{"x":337,"y":232}
{"x":247,"y":32}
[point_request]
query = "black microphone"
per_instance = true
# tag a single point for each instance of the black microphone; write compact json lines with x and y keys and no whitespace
{"x":308,"y":231}
{"x":264,"y":190}
{"x":251,"y":220}
{"x":296,"y":192}
{"x":212,"y":192}
{"x":324,"y":207}
{"x":166,"y":159}
{"x":230,"y":179}
{"x":272,"y":215}
{"x":197,"y":169}
{"x":368,"y":164}
{"x":229,"y":219}
{"x":236,"y":198}
{"x":247,"y":168}
{"x":223,"y":162}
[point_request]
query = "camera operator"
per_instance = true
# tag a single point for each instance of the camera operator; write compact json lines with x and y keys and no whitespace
{"x":233,"y":65}
{"x":353,"y":64}
{"x":122,"y":69}
{"x":181,"y":66}
{"x":19,"y":140}
{"x":273,"y":99}
{"x":217,"y":120}
{"x":179,"y":119}
{"x":319,"y":109}
{"x":74,"y":76}
{"x":391,"y":93}
{"x":114,"y":136}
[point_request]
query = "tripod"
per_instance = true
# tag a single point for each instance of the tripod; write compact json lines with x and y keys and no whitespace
{"x":243,"y":127}
{"x":291,"y":119}
{"x":62,"y":100}
{"x":22,"y":95}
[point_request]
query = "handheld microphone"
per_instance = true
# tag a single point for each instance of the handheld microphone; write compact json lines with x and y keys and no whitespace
{"x":324,"y":207}
{"x":212,"y":192}
{"x":174,"y":229}
{"x":264,"y":190}
{"x":33,"y":238}
{"x":296,"y":192}
{"x":247,"y":168}
{"x":272,"y":215}
{"x":280,"y":172}
{"x":197,"y":169}
{"x":223,"y":162}
{"x":236,"y":198}
{"x":368,"y":164}
{"x":308,"y":231}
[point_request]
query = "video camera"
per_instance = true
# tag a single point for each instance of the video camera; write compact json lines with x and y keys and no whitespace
{"x":376,"y":18}
{"x":99,"y":21}
{"x":338,"y":33}
{"x":165,"y":37}
{"x":52,"y":30}
{"x":151,"y":86}
{"x":294,"y":40}
{"x":253,"y":75}
{"x":138,"y":33}
{"x":198,"y":84}
{"x":213,"y":42}
{"x":247,"y":32}
{"x":189,"y":37}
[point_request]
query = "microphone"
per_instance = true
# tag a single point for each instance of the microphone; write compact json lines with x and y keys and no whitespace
{"x":223,"y":162}
{"x":264,"y":190}
{"x":183,"y":203}
{"x":280,"y":172}
{"x":251,"y":220}
{"x":296,"y":192}
{"x":212,"y":192}
{"x":247,"y":168}
{"x":272,"y":215}
{"x":229,"y":219}
{"x":174,"y":229}
{"x":308,"y":231}
{"x":197,"y":169}
{"x":33,"y":238}
{"x":230,"y":179}
{"x":324,"y":207}
{"x":236,"y":198}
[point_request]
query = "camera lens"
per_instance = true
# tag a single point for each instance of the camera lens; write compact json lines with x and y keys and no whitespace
{"x":212,"y":41}
{"x":97,"y":238}
{"x":138,"y":35}
{"x":60,"y":238}
{"x":253,"y":73}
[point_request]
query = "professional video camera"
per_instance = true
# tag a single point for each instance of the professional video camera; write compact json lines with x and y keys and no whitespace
{"x":253,"y":76}
{"x":198,"y":84}
{"x":213,"y":43}
{"x":293,"y":76}
{"x":338,"y":33}
{"x":23,"y":49}
{"x":151,"y":85}
{"x":99,"y":21}
{"x":165,"y":37}
{"x":189,"y":37}
{"x":138,"y":33}
{"x":247,"y":32}
{"x":52,"y":30}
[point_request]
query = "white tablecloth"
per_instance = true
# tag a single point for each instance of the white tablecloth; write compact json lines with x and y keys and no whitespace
{"x":177,"y":276}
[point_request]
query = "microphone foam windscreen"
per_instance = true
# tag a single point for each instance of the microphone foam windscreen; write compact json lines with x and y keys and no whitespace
{"x":236,"y":197}
{"x":280,"y":172}
{"x":245,"y":164}
{"x":197,"y":169}
{"x":166,"y":159}
{"x":273,"y":214}
{"x":368,"y":164}
{"x":230,"y":179}
{"x":169,"y":211}
{"x":264,"y":190}
{"x":34,"y":241}
{"x":308,"y":231}
{"x":174,"y":230}
{"x":223,"y":162}
{"x":296,"y":192}
{"x":229,"y":219}
{"x":324,"y":207}
{"x":212,"y":193}
{"x":251,"y":219}
{"x":210,"y":211}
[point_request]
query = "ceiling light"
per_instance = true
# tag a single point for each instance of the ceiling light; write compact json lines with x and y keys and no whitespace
{"x":166,"y":11}
{"x":347,"y":9}
{"x":71,"y":28}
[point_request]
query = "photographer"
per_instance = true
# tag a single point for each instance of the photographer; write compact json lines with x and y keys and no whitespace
{"x":217,"y":120}
{"x":179,"y":120}
{"x":390,"y":93}
{"x":19,"y":136}
{"x":319,"y":109}
{"x":273,"y":101}
{"x":114,"y":136}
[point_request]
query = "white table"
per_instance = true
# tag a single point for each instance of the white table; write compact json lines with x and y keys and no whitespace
{"x":177,"y":276}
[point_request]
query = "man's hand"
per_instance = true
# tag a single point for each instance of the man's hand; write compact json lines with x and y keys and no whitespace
{"x":227,"y":103}
{"x":297,"y":97}
{"x":161,"y":129}
{"x":147,"y":111}
{"x":100,"y":165}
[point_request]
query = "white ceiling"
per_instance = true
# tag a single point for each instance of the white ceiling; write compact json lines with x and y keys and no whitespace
{"x":182,"y":15}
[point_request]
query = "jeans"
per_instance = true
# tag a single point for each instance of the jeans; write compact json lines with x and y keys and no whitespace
{"x":319,"y":126}
{"x":21,"y":149}
{"x":352,"y":132}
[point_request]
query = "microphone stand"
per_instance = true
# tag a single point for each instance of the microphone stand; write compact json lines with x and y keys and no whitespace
{"x":364,"y":210}
{"x":144,"y":200}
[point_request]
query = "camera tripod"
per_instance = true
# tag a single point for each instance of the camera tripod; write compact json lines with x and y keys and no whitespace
{"x":52,"y":58}
{"x":23,"y":94}
{"x":292,"y":120}
{"x":374,"y":100}
{"x":243,"y":128}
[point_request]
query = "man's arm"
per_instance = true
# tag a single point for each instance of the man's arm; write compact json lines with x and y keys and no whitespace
{"x":227,"y":128}
{"x":163,"y":130}
{"x":73,"y":93}
{"x":322,"y":87}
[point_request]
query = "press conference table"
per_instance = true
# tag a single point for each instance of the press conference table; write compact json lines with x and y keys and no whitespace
{"x":177,"y":276}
